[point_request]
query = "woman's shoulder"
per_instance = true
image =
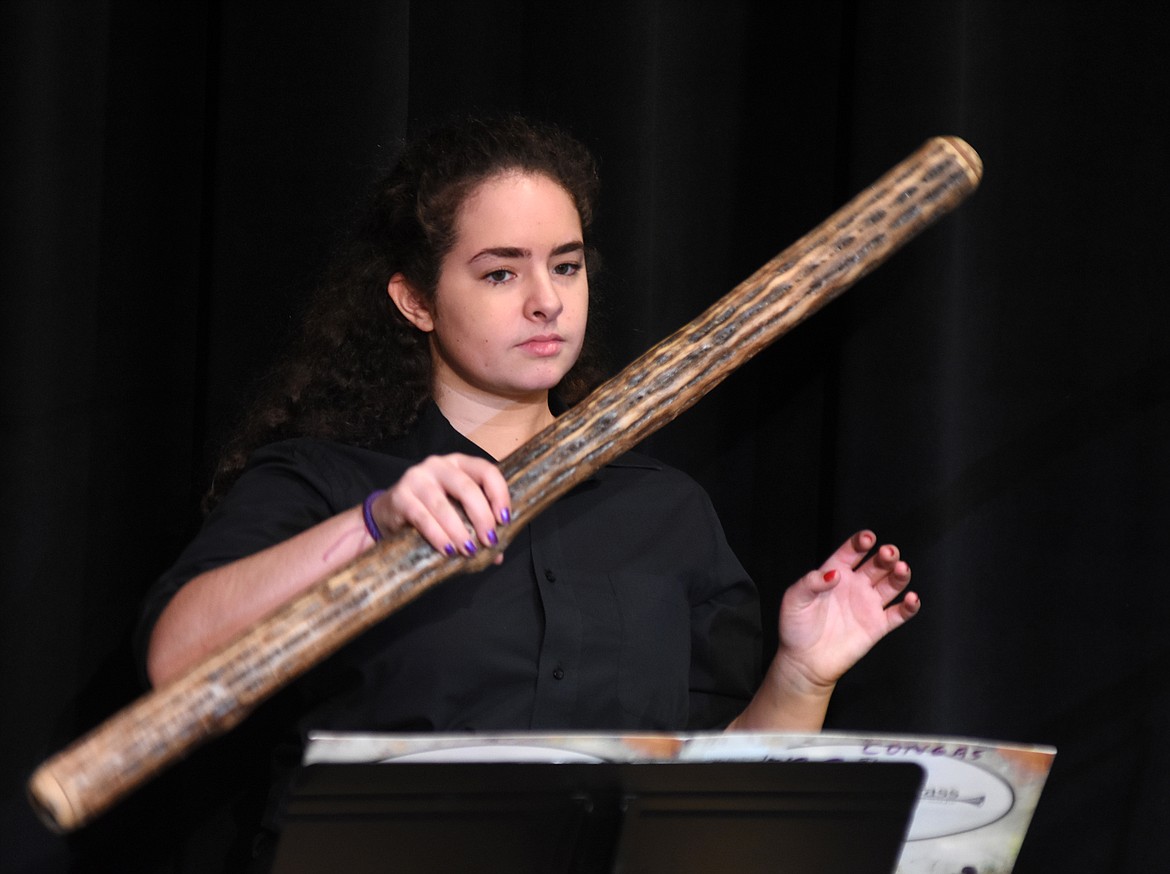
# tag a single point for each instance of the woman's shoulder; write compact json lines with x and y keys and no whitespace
{"x":317,"y":451}
{"x":339,"y":473}
{"x":637,"y":470}
{"x":636,"y":460}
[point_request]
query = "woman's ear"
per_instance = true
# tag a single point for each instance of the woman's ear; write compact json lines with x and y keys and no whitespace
{"x":410,"y":303}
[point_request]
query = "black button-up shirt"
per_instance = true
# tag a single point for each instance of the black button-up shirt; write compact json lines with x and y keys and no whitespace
{"x":621,"y":607}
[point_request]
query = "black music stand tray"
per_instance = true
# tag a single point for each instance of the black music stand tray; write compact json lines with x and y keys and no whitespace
{"x":646,"y":817}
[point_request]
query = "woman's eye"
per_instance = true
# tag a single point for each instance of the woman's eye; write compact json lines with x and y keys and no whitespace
{"x":567,"y":268}
{"x":498,"y":277}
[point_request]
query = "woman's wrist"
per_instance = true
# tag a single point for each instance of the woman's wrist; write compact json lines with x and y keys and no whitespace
{"x":368,"y":514}
{"x":787,"y":700}
{"x":789,"y":676}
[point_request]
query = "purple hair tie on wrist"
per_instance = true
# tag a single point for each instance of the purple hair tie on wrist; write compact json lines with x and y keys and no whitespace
{"x":368,"y":514}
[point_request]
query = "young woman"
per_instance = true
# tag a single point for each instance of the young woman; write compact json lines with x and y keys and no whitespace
{"x":454,"y":333}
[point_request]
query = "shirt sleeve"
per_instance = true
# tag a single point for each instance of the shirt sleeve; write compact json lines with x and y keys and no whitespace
{"x":725,"y":634}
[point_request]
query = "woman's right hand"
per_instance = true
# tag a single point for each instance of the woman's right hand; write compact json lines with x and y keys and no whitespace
{"x":428,"y":497}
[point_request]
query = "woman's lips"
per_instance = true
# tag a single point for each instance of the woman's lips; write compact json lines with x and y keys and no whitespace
{"x":543,"y":345}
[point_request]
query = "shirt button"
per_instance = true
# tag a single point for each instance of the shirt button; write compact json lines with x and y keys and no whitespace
{"x":558,"y":674}
{"x":549,"y":575}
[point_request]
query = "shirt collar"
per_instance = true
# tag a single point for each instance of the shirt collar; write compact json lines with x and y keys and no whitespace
{"x":432,"y":434}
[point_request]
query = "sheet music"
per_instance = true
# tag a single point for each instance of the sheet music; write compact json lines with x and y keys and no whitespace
{"x":976,"y":803}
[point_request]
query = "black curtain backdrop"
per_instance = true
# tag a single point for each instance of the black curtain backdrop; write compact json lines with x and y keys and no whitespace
{"x":995,"y":399}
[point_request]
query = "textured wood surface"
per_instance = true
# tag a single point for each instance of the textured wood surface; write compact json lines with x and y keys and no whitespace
{"x":83,"y":780}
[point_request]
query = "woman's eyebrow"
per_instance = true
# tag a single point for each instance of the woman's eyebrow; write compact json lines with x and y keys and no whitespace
{"x":501,"y":252}
{"x":517,"y":252}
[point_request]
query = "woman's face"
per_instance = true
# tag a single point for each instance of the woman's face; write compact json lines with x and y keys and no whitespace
{"x":508,"y":316}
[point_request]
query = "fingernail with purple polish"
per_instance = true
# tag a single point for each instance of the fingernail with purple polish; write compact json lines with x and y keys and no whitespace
{"x":449,"y":549}
{"x":470,"y":547}
{"x":493,"y":539}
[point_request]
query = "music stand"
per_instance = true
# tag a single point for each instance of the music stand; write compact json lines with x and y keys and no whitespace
{"x":580,"y":818}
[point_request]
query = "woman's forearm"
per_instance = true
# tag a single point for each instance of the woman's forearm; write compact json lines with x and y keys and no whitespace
{"x":215,"y":607}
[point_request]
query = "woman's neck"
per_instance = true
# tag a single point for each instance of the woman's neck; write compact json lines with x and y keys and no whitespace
{"x":496,"y":425}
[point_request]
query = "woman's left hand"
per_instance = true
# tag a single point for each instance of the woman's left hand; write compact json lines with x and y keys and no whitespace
{"x":832,"y":616}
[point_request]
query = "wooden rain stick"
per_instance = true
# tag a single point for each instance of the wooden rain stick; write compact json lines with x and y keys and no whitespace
{"x":82,"y":781}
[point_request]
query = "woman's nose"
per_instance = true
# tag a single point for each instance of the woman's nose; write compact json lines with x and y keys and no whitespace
{"x":544,"y":301}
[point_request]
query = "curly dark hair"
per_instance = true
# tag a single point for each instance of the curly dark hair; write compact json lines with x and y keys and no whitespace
{"x":359,"y":371}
